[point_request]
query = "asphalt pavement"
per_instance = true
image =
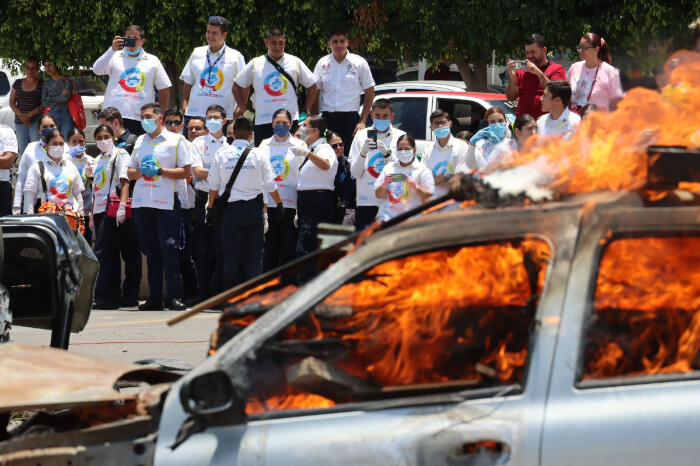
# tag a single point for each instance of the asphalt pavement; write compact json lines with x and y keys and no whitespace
{"x":130,"y":335}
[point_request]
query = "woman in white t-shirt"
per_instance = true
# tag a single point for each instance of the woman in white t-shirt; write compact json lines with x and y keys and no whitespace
{"x":593,"y":79}
{"x":404,"y":184}
{"x":485,"y":140}
{"x":63,"y":183}
{"x":84,"y":163}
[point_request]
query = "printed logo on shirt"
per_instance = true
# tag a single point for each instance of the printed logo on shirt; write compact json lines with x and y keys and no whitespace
{"x":132,"y":80}
{"x":442,"y":168}
{"x":275,"y":84}
{"x":376,"y":164}
{"x":212,"y":78}
{"x":148,"y":158}
{"x":59,"y":186}
{"x":101,"y":178}
{"x":398,"y":192}
{"x":352,"y":69}
{"x":280,"y":165}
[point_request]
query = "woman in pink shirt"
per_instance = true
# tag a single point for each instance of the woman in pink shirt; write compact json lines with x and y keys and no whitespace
{"x":593,"y":79}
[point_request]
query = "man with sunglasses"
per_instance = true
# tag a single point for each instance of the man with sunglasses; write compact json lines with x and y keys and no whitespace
{"x":526,"y":86}
{"x":209,"y":73}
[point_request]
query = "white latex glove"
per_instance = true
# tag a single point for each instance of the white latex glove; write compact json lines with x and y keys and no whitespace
{"x":296,"y":221}
{"x":299,"y":151}
{"x":121,"y":213}
{"x":366,"y":147}
{"x":265,"y":225}
{"x":382,"y":147}
{"x":16,"y":211}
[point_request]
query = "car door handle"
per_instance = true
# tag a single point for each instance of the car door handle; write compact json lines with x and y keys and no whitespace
{"x":480,"y":453}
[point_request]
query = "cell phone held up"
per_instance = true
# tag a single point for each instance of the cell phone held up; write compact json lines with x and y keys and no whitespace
{"x":372,"y":134}
{"x":520,"y":65}
{"x":129,"y":41}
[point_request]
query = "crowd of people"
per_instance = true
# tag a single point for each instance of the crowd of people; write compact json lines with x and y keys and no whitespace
{"x":213,"y":199}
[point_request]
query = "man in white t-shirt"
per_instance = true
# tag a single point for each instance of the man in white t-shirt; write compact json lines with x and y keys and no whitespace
{"x":368,"y":156}
{"x":442,"y":156}
{"x":273,"y":90}
{"x":8,"y":155}
{"x":133,"y":75}
{"x":209,"y":73}
{"x":159,"y":160}
{"x":342,"y":77}
{"x":560,"y":120}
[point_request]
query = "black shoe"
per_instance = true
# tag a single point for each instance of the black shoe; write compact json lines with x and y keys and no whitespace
{"x":104,"y":306}
{"x":174,"y":304}
{"x":193,"y":301}
{"x":129,"y":302}
{"x":152,"y":305}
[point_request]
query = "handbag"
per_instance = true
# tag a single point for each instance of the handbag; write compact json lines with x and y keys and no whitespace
{"x":76,"y":108}
{"x":114,"y":200}
{"x":221,"y":200}
{"x":578,"y":109}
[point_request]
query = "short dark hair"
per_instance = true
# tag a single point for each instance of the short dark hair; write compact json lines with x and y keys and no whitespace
{"x":219,"y":21}
{"x":139,"y":29}
{"x":198,"y":118}
{"x":282,"y":111}
{"x":522,"y":120}
{"x":318,"y":122}
{"x":217,"y":108}
{"x":439,"y":113}
{"x":54,"y":134}
{"x":242,"y":128}
{"x":74,"y":131}
{"x":536,"y":39}
{"x":560,"y":88}
{"x":156,"y":108}
{"x":174,"y":112}
{"x":383,"y":103}
{"x":407,"y":137}
{"x":274,"y":32}
{"x":32,"y":60}
{"x":337,"y":31}
{"x":102,"y":128}
{"x":110,"y":114}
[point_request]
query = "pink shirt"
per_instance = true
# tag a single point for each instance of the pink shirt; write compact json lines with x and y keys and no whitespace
{"x":606,"y":87}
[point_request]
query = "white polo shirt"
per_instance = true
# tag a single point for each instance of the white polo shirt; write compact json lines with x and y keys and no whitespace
{"x":103,"y":173}
{"x":342,"y":83}
{"x":566,"y":124}
{"x":310,"y":176}
{"x":8,"y":143}
{"x":34,"y":152}
{"x":443,"y":160}
{"x":256,"y":174}
{"x":367,"y":169}
{"x":272,"y":91}
{"x":169,"y":150}
{"x":63,"y":181}
{"x":211,"y":76}
{"x":286,"y":167}
{"x":400,"y":197}
{"x":206,"y":146}
{"x":131,"y":80}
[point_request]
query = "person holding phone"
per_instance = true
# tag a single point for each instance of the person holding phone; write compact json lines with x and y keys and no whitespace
{"x":133,"y":75}
{"x":442,"y":156}
{"x":527,"y":85}
{"x":405,"y":183}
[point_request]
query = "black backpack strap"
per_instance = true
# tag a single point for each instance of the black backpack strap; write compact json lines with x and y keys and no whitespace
{"x":43,"y":181}
{"x":227,"y":192}
{"x":306,"y":159}
{"x":280,"y":69}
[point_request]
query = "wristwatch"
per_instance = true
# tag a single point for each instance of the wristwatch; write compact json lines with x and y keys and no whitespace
{"x":160,"y":171}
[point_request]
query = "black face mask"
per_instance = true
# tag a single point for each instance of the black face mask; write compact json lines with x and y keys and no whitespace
{"x":229,"y":140}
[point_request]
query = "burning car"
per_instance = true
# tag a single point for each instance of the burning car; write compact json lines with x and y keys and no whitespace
{"x":512,"y":330}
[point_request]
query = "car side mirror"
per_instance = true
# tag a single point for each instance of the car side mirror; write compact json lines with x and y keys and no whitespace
{"x":209,"y":393}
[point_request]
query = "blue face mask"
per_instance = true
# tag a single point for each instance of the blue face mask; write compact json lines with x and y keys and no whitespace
{"x":499,"y":129}
{"x":382,"y":125}
{"x":134,"y":53}
{"x":281,"y":130}
{"x":149,"y":125}
{"x":214,"y":125}
{"x":442,"y":132}
{"x":45,"y":132}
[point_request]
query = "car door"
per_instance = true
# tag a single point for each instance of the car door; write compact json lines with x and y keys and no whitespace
{"x":626,"y":376}
{"x":430,"y":354}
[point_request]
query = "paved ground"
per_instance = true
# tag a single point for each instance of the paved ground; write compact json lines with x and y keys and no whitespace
{"x":131,"y":335}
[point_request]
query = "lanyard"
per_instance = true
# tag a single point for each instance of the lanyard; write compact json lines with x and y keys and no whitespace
{"x":209,"y":64}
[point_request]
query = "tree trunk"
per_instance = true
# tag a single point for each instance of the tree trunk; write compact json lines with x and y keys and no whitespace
{"x":473,"y":74}
{"x":173,"y":72}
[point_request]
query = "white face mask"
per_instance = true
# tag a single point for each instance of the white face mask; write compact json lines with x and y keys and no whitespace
{"x":56,"y":151}
{"x":302,"y":133}
{"x":105,"y":145}
{"x":404,"y":156}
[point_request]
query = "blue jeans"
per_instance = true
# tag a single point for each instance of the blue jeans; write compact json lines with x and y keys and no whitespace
{"x":25,"y":135}
{"x":159,"y":237}
{"x":63,"y":119}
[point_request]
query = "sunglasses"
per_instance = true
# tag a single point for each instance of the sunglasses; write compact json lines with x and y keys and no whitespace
{"x":336,"y":145}
{"x":173,"y":122}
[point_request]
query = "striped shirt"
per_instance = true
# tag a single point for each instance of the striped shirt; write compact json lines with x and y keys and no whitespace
{"x":27,"y":101}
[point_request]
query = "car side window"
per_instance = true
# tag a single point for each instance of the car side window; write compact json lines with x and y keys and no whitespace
{"x":4,"y":84}
{"x":645,"y":316}
{"x":448,"y":320}
{"x":465,"y":114}
{"x":411,"y":115}
{"x":88,"y":85}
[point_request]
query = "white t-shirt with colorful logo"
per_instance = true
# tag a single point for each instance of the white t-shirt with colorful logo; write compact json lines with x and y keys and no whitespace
{"x":443,"y":160}
{"x":206,"y":147}
{"x":131,"y":80}
{"x":272,"y":90}
{"x":400,"y":197}
{"x":80,"y":163}
{"x":168,"y":150}
{"x":366,"y":170}
{"x":211,"y":76}
{"x":34,"y":152}
{"x":286,"y":167}
{"x":63,"y":183}
{"x":102,"y":173}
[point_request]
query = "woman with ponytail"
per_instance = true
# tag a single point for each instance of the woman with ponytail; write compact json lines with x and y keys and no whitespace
{"x":593,"y":79}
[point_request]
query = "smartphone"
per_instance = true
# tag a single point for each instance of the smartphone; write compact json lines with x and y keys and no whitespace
{"x":129,"y":41}
{"x":372,"y":134}
{"x":520,"y":64}
{"x":398,"y":176}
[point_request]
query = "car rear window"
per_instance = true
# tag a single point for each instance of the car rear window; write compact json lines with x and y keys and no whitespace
{"x":507,"y":106}
{"x":4,"y":84}
{"x":411,"y":115}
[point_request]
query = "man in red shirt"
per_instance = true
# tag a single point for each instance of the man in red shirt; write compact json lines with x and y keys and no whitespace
{"x":528,"y":85}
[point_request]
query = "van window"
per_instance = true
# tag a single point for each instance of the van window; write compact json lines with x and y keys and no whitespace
{"x":4,"y":84}
{"x":465,"y":114}
{"x":411,"y":115}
